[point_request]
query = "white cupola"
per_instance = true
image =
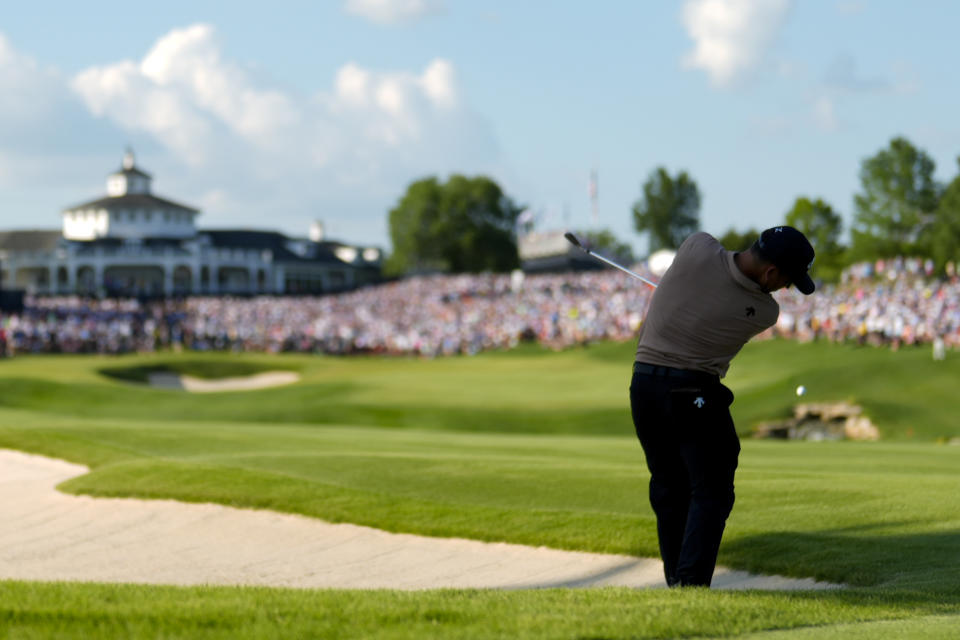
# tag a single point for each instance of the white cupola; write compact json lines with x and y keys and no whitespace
{"x":129,"y":211}
{"x":129,"y":180}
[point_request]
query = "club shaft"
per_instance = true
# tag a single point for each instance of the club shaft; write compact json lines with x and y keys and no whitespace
{"x":622,"y":268}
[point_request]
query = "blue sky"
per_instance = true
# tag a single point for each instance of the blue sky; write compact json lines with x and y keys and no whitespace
{"x":271,"y":115}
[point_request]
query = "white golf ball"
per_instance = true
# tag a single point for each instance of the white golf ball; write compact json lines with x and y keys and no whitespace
{"x":801,"y":390}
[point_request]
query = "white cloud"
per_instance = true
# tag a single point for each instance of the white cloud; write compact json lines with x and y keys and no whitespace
{"x":353,"y":85}
{"x":184,"y":93}
{"x":731,"y":36}
{"x":28,"y":90}
{"x":260,"y":148}
{"x":393,"y":11}
{"x":396,"y":107}
{"x":439,"y":83}
{"x":124,"y":95}
{"x":45,"y":133}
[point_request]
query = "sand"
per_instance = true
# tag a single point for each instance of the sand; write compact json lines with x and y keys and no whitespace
{"x":244,"y":383}
{"x":49,"y":535}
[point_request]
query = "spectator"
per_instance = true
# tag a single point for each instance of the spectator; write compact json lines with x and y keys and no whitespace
{"x":888,"y":302}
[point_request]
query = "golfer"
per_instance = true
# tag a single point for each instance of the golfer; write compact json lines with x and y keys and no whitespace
{"x":709,"y":303}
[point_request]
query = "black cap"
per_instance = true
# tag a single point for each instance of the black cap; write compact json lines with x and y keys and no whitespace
{"x":791,"y":252}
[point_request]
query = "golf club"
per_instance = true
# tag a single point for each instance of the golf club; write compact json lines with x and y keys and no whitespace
{"x":576,"y":242}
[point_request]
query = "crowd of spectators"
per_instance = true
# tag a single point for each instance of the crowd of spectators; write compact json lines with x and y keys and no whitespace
{"x":428,"y":315}
{"x":895,"y":302}
{"x":887,"y":302}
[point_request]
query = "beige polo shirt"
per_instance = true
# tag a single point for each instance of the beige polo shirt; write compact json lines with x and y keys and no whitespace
{"x":704,"y":310}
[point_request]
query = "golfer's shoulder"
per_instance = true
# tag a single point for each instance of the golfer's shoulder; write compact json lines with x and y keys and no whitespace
{"x":698,"y":247}
{"x":699,"y":241}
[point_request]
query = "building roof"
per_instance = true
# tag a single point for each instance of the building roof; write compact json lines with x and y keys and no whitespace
{"x":145,"y":245}
{"x":244,"y":238}
{"x":132,"y":201}
{"x":149,"y":241}
{"x":132,"y":171}
{"x":275,"y":241}
{"x":283,"y":247}
{"x":129,"y":166}
{"x":30,"y":240}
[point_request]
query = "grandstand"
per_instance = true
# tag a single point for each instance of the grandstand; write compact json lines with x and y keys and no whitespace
{"x":549,"y":251}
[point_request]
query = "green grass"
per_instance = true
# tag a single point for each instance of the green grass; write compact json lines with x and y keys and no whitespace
{"x":527,"y":447}
{"x":530,"y":390}
{"x":906,"y":393}
{"x":804,"y":509}
{"x":38,"y":610}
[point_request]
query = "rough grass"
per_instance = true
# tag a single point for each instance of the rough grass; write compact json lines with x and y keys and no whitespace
{"x":39,"y":610}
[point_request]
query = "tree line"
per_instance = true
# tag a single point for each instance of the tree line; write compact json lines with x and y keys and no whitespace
{"x":468,"y":224}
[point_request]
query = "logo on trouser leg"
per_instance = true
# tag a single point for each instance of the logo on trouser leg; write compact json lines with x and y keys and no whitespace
{"x":699,"y":402}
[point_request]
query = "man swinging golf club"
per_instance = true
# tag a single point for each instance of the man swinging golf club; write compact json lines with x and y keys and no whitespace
{"x":709,"y":303}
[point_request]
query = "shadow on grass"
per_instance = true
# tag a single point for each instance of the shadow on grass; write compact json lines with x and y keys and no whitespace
{"x":206,"y":369}
{"x":922,"y":566}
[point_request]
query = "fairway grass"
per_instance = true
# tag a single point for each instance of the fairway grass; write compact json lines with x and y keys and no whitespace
{"x":855,"y":513}
{"x":56,"y":610}
{"x":527,"y":447}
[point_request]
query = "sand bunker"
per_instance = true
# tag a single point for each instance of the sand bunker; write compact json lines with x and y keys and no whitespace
{"x":245,"y":383}
{"x":48,"y":535}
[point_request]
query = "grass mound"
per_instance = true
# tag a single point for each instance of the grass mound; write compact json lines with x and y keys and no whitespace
{"x":907,"y":394}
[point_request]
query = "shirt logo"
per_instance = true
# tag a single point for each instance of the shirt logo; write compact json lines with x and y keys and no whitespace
{"x":699,"y":402}
{"x":751,"y":312}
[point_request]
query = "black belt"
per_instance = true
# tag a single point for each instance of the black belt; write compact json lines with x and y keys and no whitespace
{"x":670,"y":372}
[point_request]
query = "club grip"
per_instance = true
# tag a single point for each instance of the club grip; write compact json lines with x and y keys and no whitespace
{"x":572,"y":239}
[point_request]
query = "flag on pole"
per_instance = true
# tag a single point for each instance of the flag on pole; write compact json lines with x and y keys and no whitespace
{"x":525,"y":222}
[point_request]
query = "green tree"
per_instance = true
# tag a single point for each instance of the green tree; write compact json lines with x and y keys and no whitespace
{"x":734,"y":240}
{"x":606,"y":243}
{"x":669,"y":209}
{"x":413,"y":222}
{"x":822,"y":226}
{"x":463,"y":225}
{"x":946,"y":226}
{"x":895,"y":210}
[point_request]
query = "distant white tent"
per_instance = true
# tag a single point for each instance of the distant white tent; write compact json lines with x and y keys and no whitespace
{"x":660,"y":261}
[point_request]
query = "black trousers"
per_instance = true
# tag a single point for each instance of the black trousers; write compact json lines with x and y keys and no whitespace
{"x":691,"y":446}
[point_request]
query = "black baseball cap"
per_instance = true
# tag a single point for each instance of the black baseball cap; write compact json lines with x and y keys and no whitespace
{"x":791,"y":252}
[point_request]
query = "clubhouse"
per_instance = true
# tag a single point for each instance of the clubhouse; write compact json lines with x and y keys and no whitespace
{"x":131,"y":242}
